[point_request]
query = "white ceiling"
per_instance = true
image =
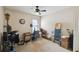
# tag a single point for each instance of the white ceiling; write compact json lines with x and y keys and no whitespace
{"x":30,"y":9}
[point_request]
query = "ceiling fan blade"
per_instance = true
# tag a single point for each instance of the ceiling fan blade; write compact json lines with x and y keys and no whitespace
{"x":39,"y":13}
{"x":42,"y":10}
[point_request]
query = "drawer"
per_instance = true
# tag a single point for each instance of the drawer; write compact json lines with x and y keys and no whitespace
{"x":64,"y":42}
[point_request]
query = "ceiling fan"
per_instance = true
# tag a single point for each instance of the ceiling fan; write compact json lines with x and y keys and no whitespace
{"x":38,"y":10}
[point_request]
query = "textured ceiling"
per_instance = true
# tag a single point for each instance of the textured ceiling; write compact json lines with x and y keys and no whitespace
{"x":30,"y":9}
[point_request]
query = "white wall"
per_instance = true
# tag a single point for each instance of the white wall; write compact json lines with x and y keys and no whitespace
{"x":76,"y":32}
{"x":65,"y":17}
{"x":1,"y":19}
{"x":14,"y":20}
{"x":1,"y":22}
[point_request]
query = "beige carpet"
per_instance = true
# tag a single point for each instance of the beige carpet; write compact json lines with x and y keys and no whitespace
{"x":41,"y":45}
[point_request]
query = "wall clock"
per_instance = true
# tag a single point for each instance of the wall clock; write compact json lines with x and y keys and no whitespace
{"x":22,"y":21}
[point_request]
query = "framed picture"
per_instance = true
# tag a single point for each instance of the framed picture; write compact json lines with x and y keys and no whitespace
{"x":22,"y":21}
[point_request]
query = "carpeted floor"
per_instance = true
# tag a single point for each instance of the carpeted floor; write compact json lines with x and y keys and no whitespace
{"x":40,"y":45}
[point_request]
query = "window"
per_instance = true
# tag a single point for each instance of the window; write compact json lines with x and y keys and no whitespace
{"x":35,"y":25}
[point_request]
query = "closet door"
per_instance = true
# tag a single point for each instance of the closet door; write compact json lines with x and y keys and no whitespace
{"x":57,"y":34}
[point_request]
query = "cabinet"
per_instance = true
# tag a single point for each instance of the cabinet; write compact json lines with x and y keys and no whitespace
{"x":65,"y":42}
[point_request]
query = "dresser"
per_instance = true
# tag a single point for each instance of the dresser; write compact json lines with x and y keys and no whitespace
{"x":65,"y":42}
